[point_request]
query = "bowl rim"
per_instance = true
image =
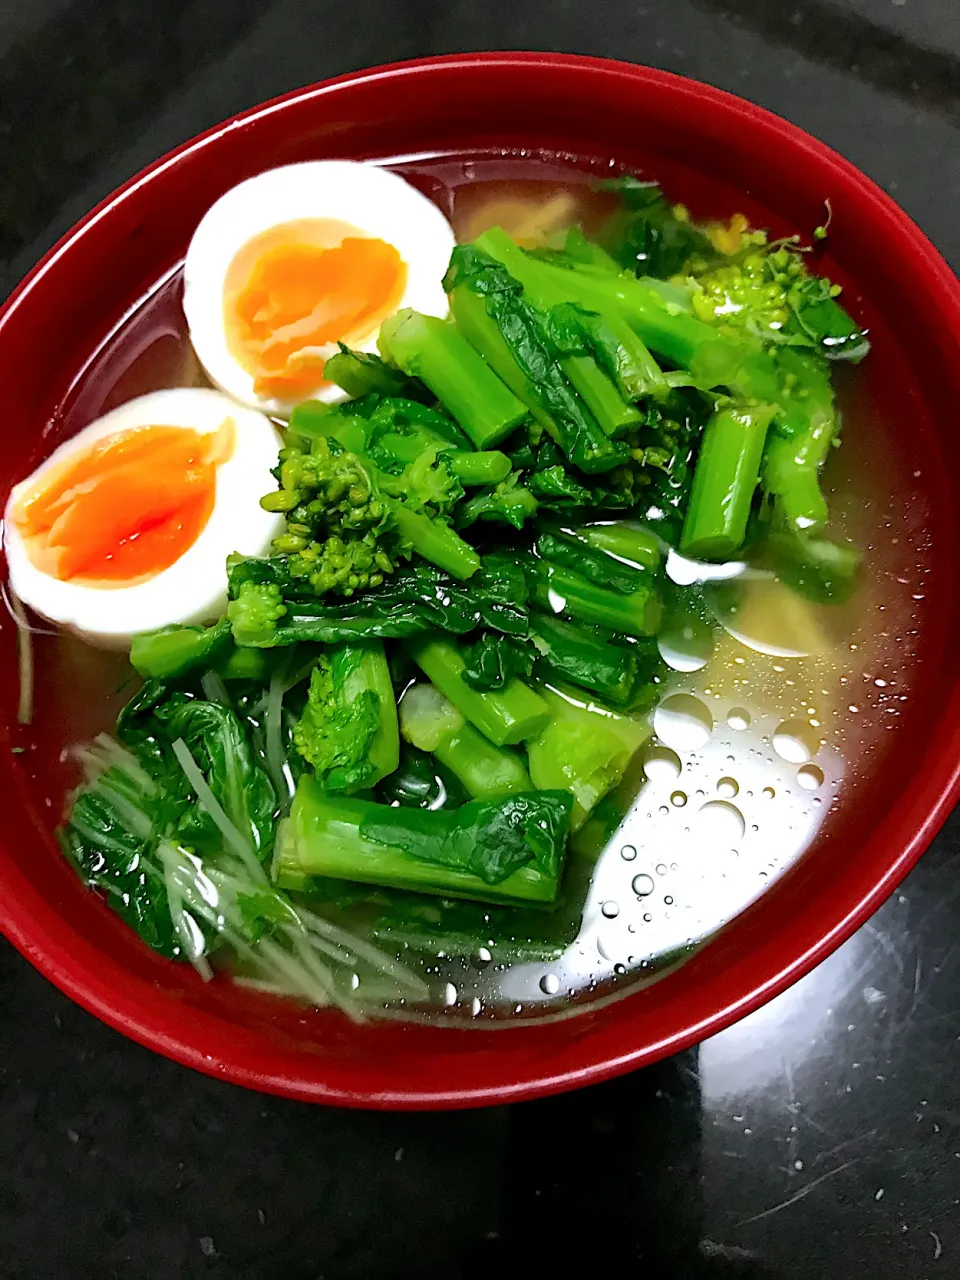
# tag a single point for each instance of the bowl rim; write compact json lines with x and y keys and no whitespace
{"x":152,"y":1024}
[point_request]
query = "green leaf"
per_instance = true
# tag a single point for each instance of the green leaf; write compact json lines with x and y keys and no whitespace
{"x":490,"y":839}
{"x":493,"y":659}
{"x":646,"y":236}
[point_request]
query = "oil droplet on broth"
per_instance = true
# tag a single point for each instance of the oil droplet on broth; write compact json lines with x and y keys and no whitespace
{"x":678,"y":799}
{"x":810,"y":777}
{"x":683,"y":722}
{"x":642,"y":885}
{"x":685,"y":641}
{"x":721,"y":822}
{"x":796,"y":741}
{"x":661,"y":764}
{"x":549,"y":984}
{"x":628,"y":853}
{"x":728,"y":788}
{"x":739,"y":719}
{"x":611,"y":910}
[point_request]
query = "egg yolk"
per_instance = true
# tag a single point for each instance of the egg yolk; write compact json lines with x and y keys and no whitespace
{"x":127,"y":507}
{"x":296,"y":290}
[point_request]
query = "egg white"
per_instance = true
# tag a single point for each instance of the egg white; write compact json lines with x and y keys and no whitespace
{"x":194,"y":588}
{"x":377,"y":202}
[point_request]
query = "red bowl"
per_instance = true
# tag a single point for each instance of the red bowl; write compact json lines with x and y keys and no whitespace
{"x":709,"y":147}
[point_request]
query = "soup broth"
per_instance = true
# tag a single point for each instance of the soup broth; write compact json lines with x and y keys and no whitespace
{"x":773,"y":714}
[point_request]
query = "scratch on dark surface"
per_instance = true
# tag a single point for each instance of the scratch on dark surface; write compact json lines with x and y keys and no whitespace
{"x":938,"y":1247}
{"x":800,"y":1195}
{"x":885,"y":945}
{"x":793,"y":1109}
{"x":834,"y":1151}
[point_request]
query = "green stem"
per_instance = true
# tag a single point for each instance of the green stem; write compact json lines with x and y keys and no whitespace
{"x":724,"y":483}
{"x":583,"y":749}
{"x":433,"y":540}
{"x":600,"y":568}
{"x":573,"y":653}
{"x":625,"y":541}
{"x":556,"y":589}
{"x":526,"y":363}
{"x":177,"y":650}
{"x":487,"y":467}
{"x":791,"y":467}
{"x":433,"y":351}
{"x":505,"y":716}
{"x":601,"y":397}
{"x":679,"y":337}
{"x":358,"y":840}
{"x":432,"y":723}
{"x":483,"y":334}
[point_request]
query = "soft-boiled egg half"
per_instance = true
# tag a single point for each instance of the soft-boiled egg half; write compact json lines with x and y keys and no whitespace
{"x":296,"y":260}
{"x":127,"y":526}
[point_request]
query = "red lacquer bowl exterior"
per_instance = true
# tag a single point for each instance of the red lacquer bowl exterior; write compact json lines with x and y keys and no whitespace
{"x":698,"y":139}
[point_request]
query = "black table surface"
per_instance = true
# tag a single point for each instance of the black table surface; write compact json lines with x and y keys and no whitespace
{"x":819,"y":1137}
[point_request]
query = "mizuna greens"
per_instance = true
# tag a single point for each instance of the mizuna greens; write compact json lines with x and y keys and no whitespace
{"x":446,"y":666}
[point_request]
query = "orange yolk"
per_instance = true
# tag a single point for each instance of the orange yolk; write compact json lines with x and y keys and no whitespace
{"x":127,"y":507}
{"x":296,"y":290}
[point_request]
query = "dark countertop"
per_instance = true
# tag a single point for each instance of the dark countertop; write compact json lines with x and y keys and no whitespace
{"x":818,"y":1138}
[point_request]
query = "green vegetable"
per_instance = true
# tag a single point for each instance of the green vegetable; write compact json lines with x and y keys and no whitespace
{"x":615,"y":347}
{"x":586,"y":657}
{"x":583,"y":749}
{"x":348,"y":521}
{"x":435,"y":352}
{"x":630,"y":543}
{"x":177,"y":650}
{"x":768,"y":291}
{"x":724,"y":482}
{"x":158,"y":716}
{"x":508,"y":502}
{"x":348,"y":729}
{"x":819,"y":570}
{"x":172,"y":826}
{"x":505,"y":716}
{"x":508,"y":849}
{"x":573,"y":325}
{"x":271,"y":607}
{"x":432,"y":723}
{"x":361,"y":373}
{"x":601,"y":396}
{"x":556,"y":589}
{"x":487,"y":467}
{"x":253,"y":665}
{"x":494,"y":658}
{"x":113,"y":825}
{"x":490,"y":311}
{"x":799,"y":446}
{"x":596,"y":566}
{"x":647,"y":236}
{"x":737,"y":362}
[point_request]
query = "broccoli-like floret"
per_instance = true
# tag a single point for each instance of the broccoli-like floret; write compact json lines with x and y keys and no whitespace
{"x":255,"y":612}
{"x":750,"y":293}
{"x":348,"y":522}
{"x":341,"y":566}
{"x":768,"y":291}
